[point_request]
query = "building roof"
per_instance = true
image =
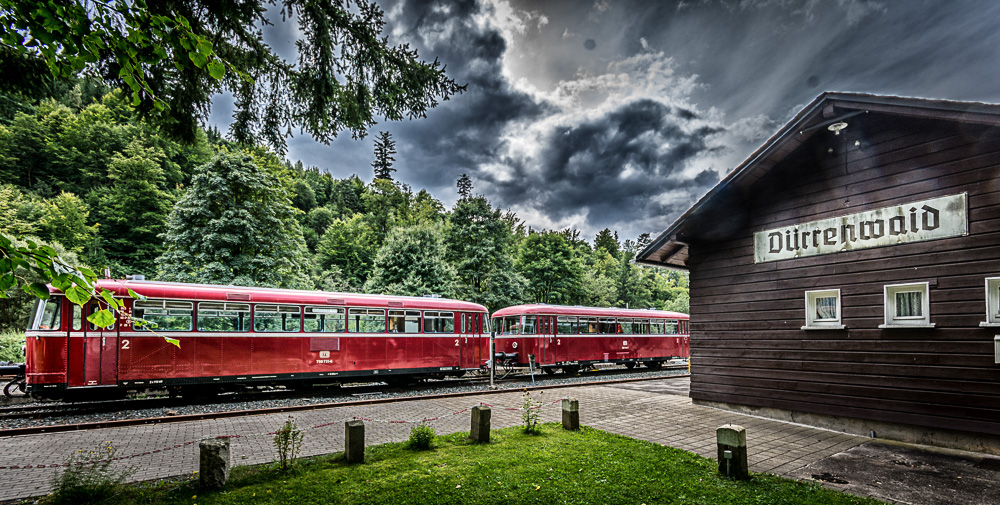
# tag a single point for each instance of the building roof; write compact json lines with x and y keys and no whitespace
{"x":669,"y":249}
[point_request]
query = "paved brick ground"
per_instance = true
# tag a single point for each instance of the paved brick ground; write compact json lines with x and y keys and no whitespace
{"x":658,"y":411}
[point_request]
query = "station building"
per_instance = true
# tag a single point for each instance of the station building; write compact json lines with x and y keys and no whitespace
{"x":847,"y":274}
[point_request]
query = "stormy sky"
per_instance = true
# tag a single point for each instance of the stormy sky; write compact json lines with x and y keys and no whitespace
{"x":622,"y":113}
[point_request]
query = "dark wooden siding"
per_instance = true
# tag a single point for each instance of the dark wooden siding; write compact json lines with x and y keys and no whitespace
{"x":747,"y":344}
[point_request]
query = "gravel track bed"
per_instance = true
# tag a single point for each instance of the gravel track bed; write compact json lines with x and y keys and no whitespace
{"x":344,"y":394}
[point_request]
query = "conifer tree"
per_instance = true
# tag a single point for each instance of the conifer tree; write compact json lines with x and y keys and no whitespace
{"x":385,"y":147}
{"x":464,"y":186}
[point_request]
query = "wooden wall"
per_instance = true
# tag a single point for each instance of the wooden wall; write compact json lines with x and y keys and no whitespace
{"x":747,"y":346}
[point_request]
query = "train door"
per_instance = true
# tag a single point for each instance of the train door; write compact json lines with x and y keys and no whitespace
{"x":471,"y":341}
{"x":546,"y":340}
{"x":100,"y":351}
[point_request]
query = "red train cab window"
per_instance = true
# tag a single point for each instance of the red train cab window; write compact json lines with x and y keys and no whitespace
{"x":366,"y":320}
{"x":625,"y":326}
{"x":163,"y":315}
{"x":48,"y":314}
{"x":439,"y":322}
{"x":404,"y":321}
{"x":219,"y":316}
{"x":656,"y":327}
{"x":608,"y":326}
{"x":588,"y":325}
{"x":671,"y":327}
{"x":268,"y":317}
{"x":324,"y":319}
{"x":528,"y":325}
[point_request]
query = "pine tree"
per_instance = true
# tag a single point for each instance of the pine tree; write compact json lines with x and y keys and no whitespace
{"x":385,"y":147}
{"x":464,"y":186}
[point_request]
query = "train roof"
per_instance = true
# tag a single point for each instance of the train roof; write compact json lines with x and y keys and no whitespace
{"x":230,"y":293}
{"x":576,"y":310}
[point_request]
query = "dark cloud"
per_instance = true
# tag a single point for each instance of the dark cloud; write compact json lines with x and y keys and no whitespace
{"x":614,"y":167}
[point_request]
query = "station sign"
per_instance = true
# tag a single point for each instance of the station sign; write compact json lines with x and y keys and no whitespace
{"x":932,"y":219}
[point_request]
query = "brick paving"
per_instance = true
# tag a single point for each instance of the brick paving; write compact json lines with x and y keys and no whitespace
{"x":657,"y":411}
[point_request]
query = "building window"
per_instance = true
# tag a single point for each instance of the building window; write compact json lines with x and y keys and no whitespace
{"x":907,"y":305}
{"x":992,"y":302}
{"x":823,"y":310}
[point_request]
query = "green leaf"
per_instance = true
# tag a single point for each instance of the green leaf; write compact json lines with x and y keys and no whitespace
{"x":216,"y":68}
{"x":173,"y":341}
{"x":135,"y":295}
{"x":103,"y":318}
{"x":37,"y":289}
{"x":109,"y":298}
{"x":77,"y":295}
{"x":198,"y":59}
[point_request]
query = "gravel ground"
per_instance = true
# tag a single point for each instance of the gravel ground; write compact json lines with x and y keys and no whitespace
{"x":346,"y":393}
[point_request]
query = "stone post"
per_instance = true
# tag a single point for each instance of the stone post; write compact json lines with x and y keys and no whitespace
{"x":213,"y":468}
{"x":354,"y":441}
{"x":481,"y":424}
{"x":571,"y":414}
{"x":732,"y":441}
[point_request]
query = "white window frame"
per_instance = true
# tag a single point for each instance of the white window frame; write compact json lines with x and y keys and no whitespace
{"x":992,"y":302}
{"x":923,"y":321}
{"x":812,"y":323}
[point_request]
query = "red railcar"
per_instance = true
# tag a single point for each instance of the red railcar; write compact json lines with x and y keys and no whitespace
{"x":568,"y":337}
{"x":231,"y":337}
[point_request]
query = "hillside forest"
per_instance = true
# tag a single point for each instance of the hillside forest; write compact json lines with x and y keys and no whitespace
{"x":82,"y":173}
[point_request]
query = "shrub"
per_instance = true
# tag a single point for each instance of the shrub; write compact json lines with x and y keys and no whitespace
{"x":89,"y":478}
{"x":529,"y":413}
{"x":421,"y":437}
{"x":288,"y":442}
{"x":11,"y":342}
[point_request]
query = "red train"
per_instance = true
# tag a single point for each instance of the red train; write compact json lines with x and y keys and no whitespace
{"x":231,"y":337}
{"x":561,"y":337}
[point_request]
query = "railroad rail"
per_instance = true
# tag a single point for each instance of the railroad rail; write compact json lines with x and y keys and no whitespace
{"x":354,"y":394}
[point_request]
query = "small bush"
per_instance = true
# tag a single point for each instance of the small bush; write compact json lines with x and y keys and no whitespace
{"x":11,"y":342}
{"x":89,"y":478}
{"x":288,"y":442}
{"x":421,"y":437}
{"x":529,"y":413}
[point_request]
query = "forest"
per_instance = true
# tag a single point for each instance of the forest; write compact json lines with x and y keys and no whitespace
{"x":83,"y":172}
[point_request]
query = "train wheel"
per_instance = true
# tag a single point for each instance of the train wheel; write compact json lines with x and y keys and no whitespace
{"x":630,"y":365}
{"x":14,"y":388}
{"x":654,"y":365}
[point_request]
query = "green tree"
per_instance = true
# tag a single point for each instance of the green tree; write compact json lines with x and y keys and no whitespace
{"x":549,"y":264}
{"x":174,"y":55}
{"x":480,"y":244}
{"x":64,"y":220}
{"x":387,"y":202}
{"x":304,"y":197}
{"x":349,"y":246}
{"x":608,"y":242}
{"x":132,"y":211}
{"x":236,"y":225}
{"x":20,"y":213}
{"x":385,"y":147}
{"x":464,"y":187}
{"x":412,"y":263}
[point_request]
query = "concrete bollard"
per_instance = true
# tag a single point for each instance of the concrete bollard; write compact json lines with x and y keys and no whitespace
{"x":354,"y":441}
{"x":213,"y":467}
{"x":732,"y":441}
{"x":571,"y":414}
{"x":480,"y":432}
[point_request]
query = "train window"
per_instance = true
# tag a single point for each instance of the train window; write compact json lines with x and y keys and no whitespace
{"x":656,"y":327}
{"x":439,"y":322}
{"x":276,"y":317}
{"x":77,"y":317}
{"x":640,"y":326}
{"x":366,"y":320}
{"x":566,"y":325}
{"x":94,"y":308}
{"x":511,"y":325}
{"x":404,"y":321}
{"x":217,"y":316}
{"x":670,"y":328}
{"x":162,"y":315}
{"x":528,"y":325}
{"x":607,"y":325}
{"x":486,"y":322}
{"x":588,"y":325}
{"x":48,"y":315}
{"x":625,"y":326}
{"x":324,"y":319}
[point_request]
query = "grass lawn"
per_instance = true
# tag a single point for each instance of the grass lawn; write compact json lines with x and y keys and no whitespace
{"x":554,"y":467}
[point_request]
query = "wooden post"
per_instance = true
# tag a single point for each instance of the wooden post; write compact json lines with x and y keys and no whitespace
{"x":732,"y":442}
{"x":571,"y":414}
{"x":354,"y":441}
{"x":481,"y":424}
{"x":213,"y":467}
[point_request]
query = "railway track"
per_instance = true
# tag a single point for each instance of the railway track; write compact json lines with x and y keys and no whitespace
{"x":46,"y":417}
